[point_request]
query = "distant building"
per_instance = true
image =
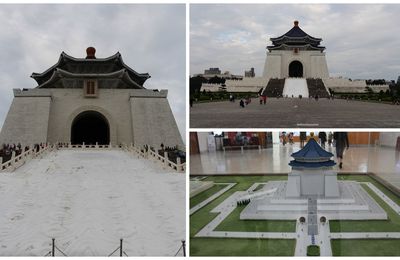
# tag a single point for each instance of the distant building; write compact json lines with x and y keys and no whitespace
{"x":249,"y":73}
{"x":216,"y":72}
{"x":212,"y":71}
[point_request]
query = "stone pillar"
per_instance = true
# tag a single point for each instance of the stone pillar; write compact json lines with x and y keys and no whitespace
{"x":166,"y":159}
{"x":97,"y":145}
{"x":13,"y":161}
{"x":110,"y":145}
{"x":178,"y":164}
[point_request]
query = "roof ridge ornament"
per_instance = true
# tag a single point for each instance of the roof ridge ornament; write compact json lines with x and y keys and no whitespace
{"x":90,"y":53}
{"x":296,"y":23}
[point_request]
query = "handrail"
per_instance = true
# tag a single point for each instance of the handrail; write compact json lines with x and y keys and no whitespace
{"x":17,"y":161}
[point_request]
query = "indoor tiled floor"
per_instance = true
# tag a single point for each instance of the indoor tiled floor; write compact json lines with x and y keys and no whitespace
{"x":383,"y":161}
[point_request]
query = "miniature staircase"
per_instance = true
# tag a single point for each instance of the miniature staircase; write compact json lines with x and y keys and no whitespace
{"x":312,"y":216}
{"x":295,"y":87}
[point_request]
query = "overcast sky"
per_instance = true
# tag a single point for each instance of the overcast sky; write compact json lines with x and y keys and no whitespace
{"x":151,"y":38}
{"x":362,"y":41}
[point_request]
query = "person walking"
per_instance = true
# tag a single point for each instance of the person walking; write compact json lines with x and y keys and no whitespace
{"x":303,"y":138}
{"x":342,"y":142}
{"x":322,"y":138}
{"x":330,"y":137}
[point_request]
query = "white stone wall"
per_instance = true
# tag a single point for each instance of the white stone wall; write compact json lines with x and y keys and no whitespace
{"x":135,"y":116}
{"x":153,"y":122}
{"x":111,"y":103}
{"x":388,"y":138}
{"x":202,"y":137}
{"x":345,"y":85}
{"x":27,"y":121}
{"x":277,"y":64}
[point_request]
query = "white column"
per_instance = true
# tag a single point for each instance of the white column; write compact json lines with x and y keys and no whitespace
{"x":178,"y":164}
{"x":166,"y":159}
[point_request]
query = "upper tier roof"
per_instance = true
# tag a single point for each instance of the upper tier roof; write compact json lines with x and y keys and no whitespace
{"x":312,"y":152}
{"x":90,"y":67}
{"x":296,"y":37}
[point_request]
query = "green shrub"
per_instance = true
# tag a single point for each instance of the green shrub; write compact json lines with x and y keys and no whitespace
{"x":313,"y":250}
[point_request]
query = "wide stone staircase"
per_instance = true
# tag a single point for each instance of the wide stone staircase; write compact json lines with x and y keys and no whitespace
{"x":274,"y":88}
{"x":317,"y":87}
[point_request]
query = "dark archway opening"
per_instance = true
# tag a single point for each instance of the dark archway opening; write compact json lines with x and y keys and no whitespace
{"x":296,"y":69}
{"x":90,"y":127}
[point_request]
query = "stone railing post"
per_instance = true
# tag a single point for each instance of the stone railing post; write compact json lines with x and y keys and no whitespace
{"x":13,"y":161}
{"x":110,"y":145}
{"x":166,"y":159}
{"x":83,"y":144}
{"x":97,"y":145}
{"x":178,"y":164}
{"x":1,"y":164}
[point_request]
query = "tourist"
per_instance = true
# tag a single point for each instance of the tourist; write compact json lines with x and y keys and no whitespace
{"x":290,"y":138}
{"x":241,"y":103}
{"x":342,"y":142}
{"x":322,"y":138}
{"x":303,"y":138}
{"x":264,"y":99}
{"x":261,"y":100}
{"x":283,"y":138}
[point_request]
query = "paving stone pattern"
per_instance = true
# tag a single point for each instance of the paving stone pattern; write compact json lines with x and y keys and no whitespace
{"x":296,"y":113}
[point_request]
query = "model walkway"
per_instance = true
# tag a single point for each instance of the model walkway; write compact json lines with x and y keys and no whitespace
{"x":213,"y":197}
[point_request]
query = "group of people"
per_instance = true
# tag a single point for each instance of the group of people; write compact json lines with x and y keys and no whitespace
{"x":285,"y":138}
{"x":246,"y":102}
{"x":6,"y":151}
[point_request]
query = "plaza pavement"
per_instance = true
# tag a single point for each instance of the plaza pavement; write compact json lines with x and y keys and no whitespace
{"x":295,"y":113}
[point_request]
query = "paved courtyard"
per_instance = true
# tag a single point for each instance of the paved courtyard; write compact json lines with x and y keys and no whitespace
{"x":295,"y":113}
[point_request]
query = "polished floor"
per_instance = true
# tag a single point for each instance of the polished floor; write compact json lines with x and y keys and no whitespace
{"x":383,"y":161}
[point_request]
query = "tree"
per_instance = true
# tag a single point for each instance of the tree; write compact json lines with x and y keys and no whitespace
{"x":195,"y":84}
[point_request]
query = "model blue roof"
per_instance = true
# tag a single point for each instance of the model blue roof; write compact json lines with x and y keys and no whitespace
{"x":312,"y":152}
{"x":298,"y":164}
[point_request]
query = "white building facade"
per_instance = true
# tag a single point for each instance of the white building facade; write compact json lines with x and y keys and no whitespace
{"x":90,"y":100}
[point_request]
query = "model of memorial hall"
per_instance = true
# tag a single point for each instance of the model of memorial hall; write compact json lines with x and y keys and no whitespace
{"x":309,"y":211}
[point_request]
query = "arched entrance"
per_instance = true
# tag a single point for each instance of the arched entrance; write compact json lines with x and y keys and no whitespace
{"x":296,"y":69}
{"x":90,"y":127}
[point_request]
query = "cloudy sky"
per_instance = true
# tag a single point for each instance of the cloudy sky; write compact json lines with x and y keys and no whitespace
{"x":151,"y":38}
{"x":362,"y":41}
